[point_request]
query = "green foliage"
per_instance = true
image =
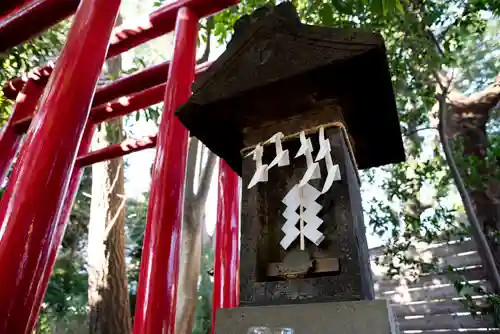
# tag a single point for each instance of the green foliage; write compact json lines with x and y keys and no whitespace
{"x":203,"y":315}
{"x":65,"y":303}
{"x":67,"y":291}
{"x":422,"y":39}
{"x":26,"y":56}
{"x":483,"y":303}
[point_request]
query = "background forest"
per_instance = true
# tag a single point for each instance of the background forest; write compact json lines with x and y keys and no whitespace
{"x":436,"y":48}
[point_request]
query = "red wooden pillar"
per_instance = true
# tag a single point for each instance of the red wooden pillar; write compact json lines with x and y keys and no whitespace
{"x":10,"y":140}
{"x":34,"y":198}
{"x":157,"y":292}
{"x":74,"y":184}
{"x":226,"y":289}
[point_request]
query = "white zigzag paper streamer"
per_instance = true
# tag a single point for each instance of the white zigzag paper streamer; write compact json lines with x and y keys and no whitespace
{"x":303,"y":198}
{"x":306,"y":149}
{"x":333,"y":171}
{"x":282,"y":156}
{"x":260,"y":174}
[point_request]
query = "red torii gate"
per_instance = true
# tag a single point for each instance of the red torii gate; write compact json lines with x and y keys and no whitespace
{"x":37,"y":201}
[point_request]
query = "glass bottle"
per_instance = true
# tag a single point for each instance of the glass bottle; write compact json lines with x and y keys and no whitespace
{"x":259,"y":330}
{"x":267,"y":330}
{"x":283,"y":330}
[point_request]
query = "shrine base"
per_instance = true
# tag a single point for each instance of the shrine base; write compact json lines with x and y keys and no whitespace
{"x":357,"y":317}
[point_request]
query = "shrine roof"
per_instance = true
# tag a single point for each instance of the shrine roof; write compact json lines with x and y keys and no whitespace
{"x":275,"y":68}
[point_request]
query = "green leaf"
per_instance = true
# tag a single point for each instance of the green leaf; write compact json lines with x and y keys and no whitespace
{"x":385,"y":6}
{"x":326,"y":14}
{"x":220,"y":29}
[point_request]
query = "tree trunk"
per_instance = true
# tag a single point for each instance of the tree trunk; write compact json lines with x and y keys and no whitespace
{"x":108,"y":288}
{"x":467,"y":119}
{"x":192,"y":234}
{"x":190,"y":267}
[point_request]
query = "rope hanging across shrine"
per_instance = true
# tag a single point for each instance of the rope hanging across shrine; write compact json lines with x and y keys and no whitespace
{"x":313,"y":130}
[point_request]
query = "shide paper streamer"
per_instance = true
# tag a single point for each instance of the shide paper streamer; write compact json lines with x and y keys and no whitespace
{"x":302,"y":196}
{"x":282,"y":157}
{"x":333,"y":171}
{"x":306,"y":149}
{"x":260,"y":174}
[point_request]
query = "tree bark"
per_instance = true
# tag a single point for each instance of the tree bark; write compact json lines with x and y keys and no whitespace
{"x":108,"y":288}
{"x":191,"y":254}
{"x":192,"y":232}
{"x":467,"y":121}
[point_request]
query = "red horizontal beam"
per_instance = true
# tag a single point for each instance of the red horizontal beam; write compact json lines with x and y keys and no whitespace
{"x":117,"y":150}
{"x":32,"y":19}
{"x":143,"y":99}
{"x":37,"y":79}
{"x":130,"y":84}
{"x":10,"y":89}
{"x":125,"y":104}
{"x":137,"y":82}
{"x":127,"y":36}
{"x":133,"y":83}
{"x":9,"y":6}
{"x":160,"y":22}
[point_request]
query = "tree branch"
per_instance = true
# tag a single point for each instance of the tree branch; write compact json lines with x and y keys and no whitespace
{"x":115,"y":180}
{"x":206,"y":53}
{"x":199,"y":170}
{"x":458,"y":20}
{"x":412,"y":132}
{"x":206,"y":239}
{"x":484,"y":249}
{"x":416,"y":14}
{"x":206,"y":177}
{"x":191,"y":168}
{"x":194,"y":143}
{"x":420,"y":21}
{"x":484,"y":100}
{"x":115,"y":217}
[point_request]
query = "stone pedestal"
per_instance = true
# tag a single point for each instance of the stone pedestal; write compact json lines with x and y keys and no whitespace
{"x":358,"y":317}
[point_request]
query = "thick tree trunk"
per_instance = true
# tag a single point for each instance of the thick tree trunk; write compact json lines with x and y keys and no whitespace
{"x":116,"y":299}
{"x":191,"y":254}
{"x":467,"y":121}
{"x":192,"y":235}
{"x":108,"y":288}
